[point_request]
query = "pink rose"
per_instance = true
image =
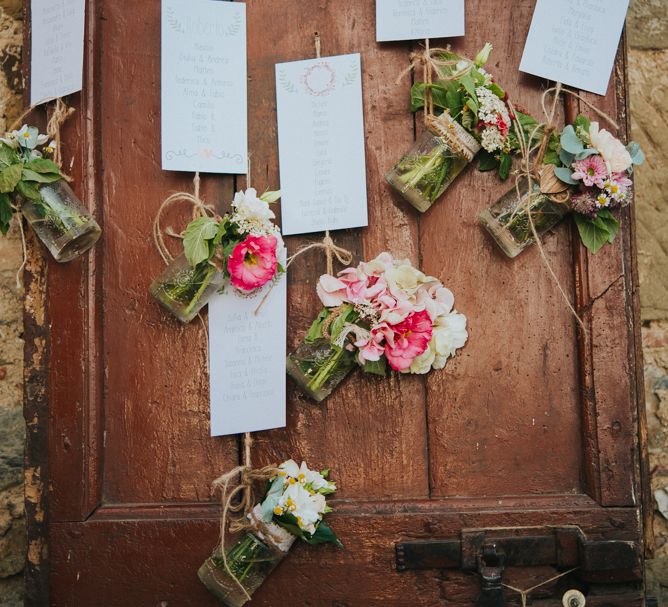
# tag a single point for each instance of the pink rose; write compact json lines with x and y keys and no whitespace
{"x":253,"y":262}
{"x":407,"y":340}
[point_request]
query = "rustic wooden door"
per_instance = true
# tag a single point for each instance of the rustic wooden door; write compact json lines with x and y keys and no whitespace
{"x":531,"y":430}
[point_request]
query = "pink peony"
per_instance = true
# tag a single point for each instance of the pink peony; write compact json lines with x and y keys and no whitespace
{"x":407,"y":340}
{"x":253,"y":262}
{"x":591,"y":170}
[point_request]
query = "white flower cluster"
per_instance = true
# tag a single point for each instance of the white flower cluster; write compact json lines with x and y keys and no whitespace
{"x":253,"y":215}
{"x":494,"y":114}
{"x":300,"y":492}
{"x":492,"y":139}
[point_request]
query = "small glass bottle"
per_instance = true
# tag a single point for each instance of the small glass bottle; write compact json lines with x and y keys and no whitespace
{"x":251,"y":560}
{"x":434,"y":162}
{"x":60,"y":221}
{"x":318,"y":367}
{"x":184,"y":290}
{"x":507,"y":220}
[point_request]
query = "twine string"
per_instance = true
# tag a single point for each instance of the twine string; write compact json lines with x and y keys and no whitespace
{"x":237,"y":512}
{"x":524,"y":594}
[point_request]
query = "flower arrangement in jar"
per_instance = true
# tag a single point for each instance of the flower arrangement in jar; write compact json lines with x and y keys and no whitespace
{"x":33,"y":184}
{"x":293,"y":507}
{"x":586,"y":171}
{"x":384,"y":314}
{"x":242,"y":248}
{"x":471,"y":116}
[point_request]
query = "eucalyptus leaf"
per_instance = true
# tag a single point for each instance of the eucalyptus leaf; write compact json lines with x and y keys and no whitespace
{"x":10,"y":177}
{"x":585,"y":153}
{"x":564,"y":174}
{"x":566,"y":158}
{"x":570,"y":141}
{"x":196,"y":239}
{"x":637,"y":155}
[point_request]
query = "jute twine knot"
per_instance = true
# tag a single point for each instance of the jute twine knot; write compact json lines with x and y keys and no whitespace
{"x":241,"y":510}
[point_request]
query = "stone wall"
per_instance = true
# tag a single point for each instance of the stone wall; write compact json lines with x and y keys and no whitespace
{"x":648,"y":80}
{"x":648,"y":56}
{"x":12,"y":522}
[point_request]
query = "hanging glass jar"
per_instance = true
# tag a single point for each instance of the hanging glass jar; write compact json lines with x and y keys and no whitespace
{"x":184,"y":290}
{"x":60,"y":221}
{"x":319,"y":366}
{"x":434,"y":162}
{"x":507,"y":220}
{"x":250,"y":560}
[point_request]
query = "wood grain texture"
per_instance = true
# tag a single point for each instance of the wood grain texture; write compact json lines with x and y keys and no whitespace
{"x":528,"y":425}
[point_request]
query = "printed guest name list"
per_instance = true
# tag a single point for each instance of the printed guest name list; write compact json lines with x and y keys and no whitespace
{"x":204,"y":89}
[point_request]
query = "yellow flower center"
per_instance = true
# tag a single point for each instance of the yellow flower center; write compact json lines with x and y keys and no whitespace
{"x":278,"y":511}
{"x":614,"y":189}
{"x":602,"y":200}
{"x":301,"y":476}
{"x":26,"y":135}
{"x":292,"y":481}
{"x":281,"y":473}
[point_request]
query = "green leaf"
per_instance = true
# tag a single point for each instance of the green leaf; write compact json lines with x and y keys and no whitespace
{"x":10,"y":177}
{"x":222,"y":231}
{"x":469,"y":86}
{"x":340,"y":321}
{"x":315,"y":330}
{"x":454,"y":99}
{"x":505,"y":164}
{"x":378,"y":367}
{"x":28,"y":190}
{"x":271,"y":196}
{"x":6,"y":212}
{"x":29,"y":175}
{"x":323,"y":535}
{"x":570,"y":141}
{"x":610,"y":222}
{"x":497,"y":90}
{"x":196,"y":239}
{"x":8,"y":155}
{"x":438,"y":95}
{"x":582,"y":122}
{"x":43,"y":165}
{"x":564,"y":174}
{"x":551,"y":157}
{"x":488,"y":162}
{"x":585,"y":153}
{"x":566,"y":158}
{"x":594,"y":234}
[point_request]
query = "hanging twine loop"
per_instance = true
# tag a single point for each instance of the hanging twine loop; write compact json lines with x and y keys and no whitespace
{"x":524,"y":594}
{"x":531,"y":170}
{"x":238,"y":513}
{"x":199,"y":209}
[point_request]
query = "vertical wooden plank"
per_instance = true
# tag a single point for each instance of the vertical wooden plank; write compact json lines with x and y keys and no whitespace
{"x":513,"y":391}
{"x":156,"y":385}
{"x":364,"y":412}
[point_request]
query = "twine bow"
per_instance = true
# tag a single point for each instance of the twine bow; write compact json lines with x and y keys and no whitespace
{"x":241,"y":510}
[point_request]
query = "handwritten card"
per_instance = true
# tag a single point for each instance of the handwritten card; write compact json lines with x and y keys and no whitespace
{"x":247,"y":361}
{"x":204,"y":88}
{"x":575,"y":41}
{"x":321,"y":144}
{"x":56,"y":49}
{"x":413,"y":19}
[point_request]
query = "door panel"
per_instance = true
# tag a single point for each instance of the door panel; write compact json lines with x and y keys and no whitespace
{"x":533,"y":424}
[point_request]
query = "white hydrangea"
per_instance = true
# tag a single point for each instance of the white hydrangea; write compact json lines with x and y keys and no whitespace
{"x":492,"y":139}
{"x":252,"y":213}
{"x":491,"y":107}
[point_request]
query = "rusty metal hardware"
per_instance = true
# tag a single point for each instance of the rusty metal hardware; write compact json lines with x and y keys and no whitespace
{"x":491,"y":563}
{"x":561,"y":547}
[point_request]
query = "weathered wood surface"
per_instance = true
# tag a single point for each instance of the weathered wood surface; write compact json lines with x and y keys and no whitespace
{"x":531,"y":424}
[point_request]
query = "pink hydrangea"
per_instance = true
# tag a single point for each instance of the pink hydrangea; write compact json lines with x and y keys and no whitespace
{"x":591,"y":170}
{"x":253,"y":262}
{"x":407,"y":340}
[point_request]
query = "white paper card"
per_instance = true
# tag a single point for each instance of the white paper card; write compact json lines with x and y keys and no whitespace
{"x":575,"y":42}
{"x":247,"y":361}
{"x":413,"y":19}
{"x":321,"y":144}
{"x":204,"y":88}
{"x":56,"y":49}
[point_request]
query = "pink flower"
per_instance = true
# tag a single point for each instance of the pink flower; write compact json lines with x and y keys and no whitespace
{"x":407,"y":340}
{"x":591,"y":170}
{"x":331,"y":291}
{"x":253,"y":262}
{"x":622,"y":180}
{"x":502,"y":125}
{"x":370,"y":349}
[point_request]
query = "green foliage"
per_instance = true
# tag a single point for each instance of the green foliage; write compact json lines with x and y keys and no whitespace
{"x":378,"y":367}
{"x":197,"y":240}
{"x":594,"y":233}
{"x":10,"y":177}
{"x":505,"y":164}
{"x":271,"y":197}
{"x":315,"y":330}
{"x":323,"y":533}
{"x":6,"y":212}
{"x":488,"y":162}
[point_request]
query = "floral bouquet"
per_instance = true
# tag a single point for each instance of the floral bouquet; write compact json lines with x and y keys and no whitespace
{"x":34,"y":185}
{"x":585,"y":170}
{"x":381,"y":313}
{"x":243,"y":248}
{"x":475,"y":114}
{"x":293,"y":507}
